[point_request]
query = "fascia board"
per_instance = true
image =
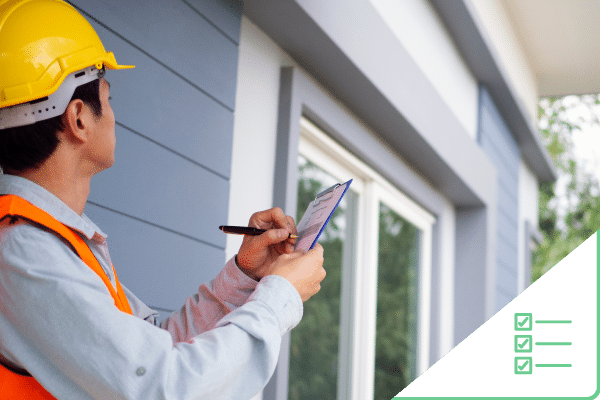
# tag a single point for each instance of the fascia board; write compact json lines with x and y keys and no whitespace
{"x":343,"y":46}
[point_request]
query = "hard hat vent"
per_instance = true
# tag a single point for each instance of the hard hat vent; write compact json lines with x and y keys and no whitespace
{"x":49,"y":106}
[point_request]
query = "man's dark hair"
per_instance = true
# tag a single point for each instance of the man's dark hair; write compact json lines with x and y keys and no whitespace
{"x":29,"y":146}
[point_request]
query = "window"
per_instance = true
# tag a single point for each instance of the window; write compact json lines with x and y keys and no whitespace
{"x":359,"y":334}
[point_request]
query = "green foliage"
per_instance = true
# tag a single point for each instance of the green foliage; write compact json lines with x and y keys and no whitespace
{"x":580,"y":217}
{"x":395,"y":346}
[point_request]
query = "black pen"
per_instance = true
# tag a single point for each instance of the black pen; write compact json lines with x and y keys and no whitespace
{"x":246,"y":230}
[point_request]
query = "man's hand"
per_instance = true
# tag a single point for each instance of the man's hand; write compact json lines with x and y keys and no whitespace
{"x":257,"y":253}
{"x":304,"y":271}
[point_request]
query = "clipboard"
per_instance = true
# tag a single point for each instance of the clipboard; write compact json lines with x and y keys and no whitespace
{"x":317,"y":215}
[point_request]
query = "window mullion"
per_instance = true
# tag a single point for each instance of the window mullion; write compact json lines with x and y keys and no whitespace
{"x":366,"y":314}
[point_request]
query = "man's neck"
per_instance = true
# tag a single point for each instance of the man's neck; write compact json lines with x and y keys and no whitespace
{"x":64,"y":183}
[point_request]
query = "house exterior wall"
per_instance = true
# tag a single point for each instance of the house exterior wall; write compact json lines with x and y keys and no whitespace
{"x":255,"y":127}
{"x":468,"y":227}
{"x":255,"y":131}
{"x":497,"y":141}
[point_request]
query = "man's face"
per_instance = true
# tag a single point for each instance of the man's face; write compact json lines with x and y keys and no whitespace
{"x":103,"y":146}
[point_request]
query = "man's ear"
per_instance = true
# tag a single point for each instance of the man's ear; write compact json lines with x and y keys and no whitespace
{"x":77,"y":120}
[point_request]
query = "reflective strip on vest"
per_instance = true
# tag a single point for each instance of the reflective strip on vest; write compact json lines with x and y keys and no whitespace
{"x":14,"y":386}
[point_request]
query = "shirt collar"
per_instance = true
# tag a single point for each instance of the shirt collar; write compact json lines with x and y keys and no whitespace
{"x":42,"y":198}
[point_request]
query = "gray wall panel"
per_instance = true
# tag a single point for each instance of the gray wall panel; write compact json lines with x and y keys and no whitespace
{"x":507,"y":172}
{"x":152,"y":100}
{"x":506,"y":252}
{"x":506,"y":202}
{"x":499,"y":144}
{"x":511,"y":243}
{"x":160,"y":275}
{"x":225,"y":15}
{"x":507,"y":224}
{"x":506,"y":277}
{"x":504,"y":146}
{"x":506,"y":287}
{"x":509,"y":200}
{"x":178,"y":37}
{"x":155,"y":185}
{"x":470,"y":275}
{"x":503,"y":299}
{"x":162,"y":201}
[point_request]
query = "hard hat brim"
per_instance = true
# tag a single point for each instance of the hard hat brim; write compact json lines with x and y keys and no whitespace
{"x":55,"y":74}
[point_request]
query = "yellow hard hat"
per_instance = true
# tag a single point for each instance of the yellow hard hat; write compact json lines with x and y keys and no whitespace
{"x":41,"y":43}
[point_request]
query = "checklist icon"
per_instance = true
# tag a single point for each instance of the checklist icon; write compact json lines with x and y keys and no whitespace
{"x":523,"y":343}
{"x":523,"y":365}
{"x":523,"y":321}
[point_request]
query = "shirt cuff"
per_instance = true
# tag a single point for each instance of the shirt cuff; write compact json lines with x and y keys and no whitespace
{"x":282,"y":298}
{"x":232,"y":285}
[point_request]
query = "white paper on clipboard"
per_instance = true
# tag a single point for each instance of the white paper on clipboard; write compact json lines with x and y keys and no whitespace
{"x":318,"y":214}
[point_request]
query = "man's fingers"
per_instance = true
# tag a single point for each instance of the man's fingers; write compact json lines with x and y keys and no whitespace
{"x":317,"y":250}
{"x":274,"y":236}
{"x":273,"y":218}
{"x":289,"y":247}
{"x":291,"y":224}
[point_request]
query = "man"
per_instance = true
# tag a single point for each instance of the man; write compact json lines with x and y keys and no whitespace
{"x":68,"y":329}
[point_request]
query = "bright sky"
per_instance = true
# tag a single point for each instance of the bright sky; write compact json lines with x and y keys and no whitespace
{"x":586,"y":143}
{"x":586,"y":146}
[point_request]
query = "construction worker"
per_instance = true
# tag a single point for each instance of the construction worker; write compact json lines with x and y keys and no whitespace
{"x":68,"y":328}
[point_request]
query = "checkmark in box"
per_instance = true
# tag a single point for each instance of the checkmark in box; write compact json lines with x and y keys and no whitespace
{"x":523,"y":321}
{"x":523,"y":343}
{"x":523,"y":365}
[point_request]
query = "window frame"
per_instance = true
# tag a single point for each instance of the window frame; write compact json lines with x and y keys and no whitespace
{"x":359,"y":332}
{"x":301,"y":95}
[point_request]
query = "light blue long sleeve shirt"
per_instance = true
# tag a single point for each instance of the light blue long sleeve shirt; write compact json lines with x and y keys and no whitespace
{"x":59,"y":322}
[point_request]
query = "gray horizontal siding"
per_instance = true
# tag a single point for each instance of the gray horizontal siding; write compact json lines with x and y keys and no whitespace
{"x":160,"y":267}
{"x":153,"y":184}
{"x":176,"y":36}
{"x":223,"y":14}
{"x":502,"y":149}
{"x":505,"y":149}
{"x":167,"y":193}
{"x":505,"y":249}
{"x":502,"y":299}
{"x":166,"y":109}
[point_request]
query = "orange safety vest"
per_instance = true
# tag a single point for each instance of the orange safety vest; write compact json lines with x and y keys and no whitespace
{"x":15,"y":385}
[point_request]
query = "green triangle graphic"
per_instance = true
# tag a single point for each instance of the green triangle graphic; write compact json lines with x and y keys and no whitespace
{"x":539,"y":343}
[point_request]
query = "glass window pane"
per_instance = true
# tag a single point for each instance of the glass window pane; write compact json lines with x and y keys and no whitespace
{"x":314,"y":347}
{"x":395,"y":341}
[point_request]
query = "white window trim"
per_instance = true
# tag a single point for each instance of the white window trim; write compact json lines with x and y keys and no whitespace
{"x":372,"y":188}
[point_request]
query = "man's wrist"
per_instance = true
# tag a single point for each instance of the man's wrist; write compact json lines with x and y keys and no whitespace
{"x":246,"y":271}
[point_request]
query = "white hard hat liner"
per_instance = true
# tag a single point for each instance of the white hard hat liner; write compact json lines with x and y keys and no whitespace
{"x":48,"y":107}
